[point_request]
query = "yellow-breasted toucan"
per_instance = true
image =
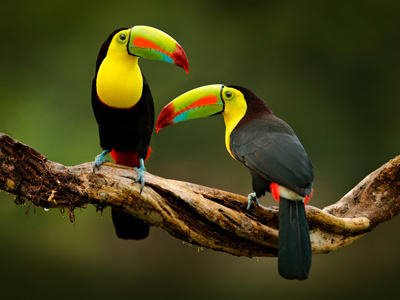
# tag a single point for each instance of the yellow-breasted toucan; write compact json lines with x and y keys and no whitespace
{"x":123,"y":105}
{"x":270,"y":149}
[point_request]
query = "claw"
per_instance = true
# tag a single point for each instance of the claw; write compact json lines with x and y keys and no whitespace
{"x":140,"y":175}
{"x":252,"y":198}
{"x":100,"y":159}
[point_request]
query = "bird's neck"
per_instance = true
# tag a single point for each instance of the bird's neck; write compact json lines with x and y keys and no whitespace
{"x":232,"y":115}
{"x":119,"y":81}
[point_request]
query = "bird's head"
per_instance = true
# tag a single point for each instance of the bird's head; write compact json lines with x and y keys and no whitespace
{"x":205,"y":101}
{"x":147,"y":42}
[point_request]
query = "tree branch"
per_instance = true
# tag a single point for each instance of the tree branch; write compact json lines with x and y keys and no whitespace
{"x":196,"y":214}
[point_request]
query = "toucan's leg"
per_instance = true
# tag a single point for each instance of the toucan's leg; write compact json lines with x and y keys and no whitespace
{"x":99,"y":160}
{"x":252,"y":198}
{"x":140,"y":175}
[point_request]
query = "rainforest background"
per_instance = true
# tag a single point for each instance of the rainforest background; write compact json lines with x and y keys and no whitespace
{"x":331,"y":69}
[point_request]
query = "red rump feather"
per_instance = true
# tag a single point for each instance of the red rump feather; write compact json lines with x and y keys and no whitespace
{"x":274,"y":187}
{"x":129,"y":159}
{"x":307,"y":198}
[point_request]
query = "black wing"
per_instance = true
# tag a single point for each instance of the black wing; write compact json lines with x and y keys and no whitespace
{"x":270,"y":148}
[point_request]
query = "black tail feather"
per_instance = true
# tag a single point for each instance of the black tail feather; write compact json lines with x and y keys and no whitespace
{"x":129,"y":227}
{"x":294,"y":254}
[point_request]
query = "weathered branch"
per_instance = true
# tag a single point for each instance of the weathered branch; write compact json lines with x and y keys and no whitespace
{"x":196,"y":214}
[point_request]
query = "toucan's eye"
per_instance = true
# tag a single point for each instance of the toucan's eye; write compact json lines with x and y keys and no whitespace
{"x":228,"y":95}
{"x":122,"y":37}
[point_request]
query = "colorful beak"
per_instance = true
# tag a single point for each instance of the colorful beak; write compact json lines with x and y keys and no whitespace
{"x":151,"y":43}
{"x":198,"y":103}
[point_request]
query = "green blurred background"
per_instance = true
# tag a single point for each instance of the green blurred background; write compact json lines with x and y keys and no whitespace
{"x":331,"y":69}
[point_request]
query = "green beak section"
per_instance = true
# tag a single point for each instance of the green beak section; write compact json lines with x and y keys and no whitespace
{"x":198,"y":103}
{"x":151,"y":43}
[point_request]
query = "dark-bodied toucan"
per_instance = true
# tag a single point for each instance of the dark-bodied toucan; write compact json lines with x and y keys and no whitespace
{"x":123,"y":105}
{"x":270,"y":149}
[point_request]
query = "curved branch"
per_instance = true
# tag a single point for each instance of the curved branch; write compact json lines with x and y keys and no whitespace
{"x":196,"y":214}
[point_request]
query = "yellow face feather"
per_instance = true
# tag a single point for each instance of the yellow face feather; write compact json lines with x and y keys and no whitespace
{"x":119,"y":80}
{"x":235,"y":109}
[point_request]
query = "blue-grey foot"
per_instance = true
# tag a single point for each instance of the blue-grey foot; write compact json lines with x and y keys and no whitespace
{"x":252,"y":198}
{"x":100,"y":159}
{"x":140,"y":174}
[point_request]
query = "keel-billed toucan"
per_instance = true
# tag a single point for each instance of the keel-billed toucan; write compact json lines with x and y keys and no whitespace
{"x":123,"y":105}
{"x":270,"y":149}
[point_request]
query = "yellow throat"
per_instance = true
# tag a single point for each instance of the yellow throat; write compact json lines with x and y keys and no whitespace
{"x":119,"y":80}
{"x":233,"y":113}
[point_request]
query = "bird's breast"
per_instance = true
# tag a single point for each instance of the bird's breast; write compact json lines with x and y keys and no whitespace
{"x":119,"y":82}
{"x":232,"y":115}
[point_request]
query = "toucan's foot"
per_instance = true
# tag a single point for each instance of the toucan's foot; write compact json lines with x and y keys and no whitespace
{"x":252,"y":198}
{"x":100,"y":159}
{"x":140,"y":175}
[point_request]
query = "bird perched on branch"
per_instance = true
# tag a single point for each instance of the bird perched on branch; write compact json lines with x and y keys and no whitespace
{"x":123,"y":105}
{"x":271,"y":151}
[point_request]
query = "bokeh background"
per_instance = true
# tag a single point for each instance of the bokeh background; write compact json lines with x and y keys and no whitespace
{"x":329,"y":68}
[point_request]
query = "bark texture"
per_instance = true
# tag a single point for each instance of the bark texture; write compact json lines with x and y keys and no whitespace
{"x":195,"y":214}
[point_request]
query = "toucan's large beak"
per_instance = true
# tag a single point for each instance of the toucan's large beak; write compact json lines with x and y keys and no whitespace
{"x":151,"y":43}
{"x":198,"y":103}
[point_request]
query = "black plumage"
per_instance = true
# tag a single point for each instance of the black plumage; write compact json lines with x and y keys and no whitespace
{"x":270,"y":149}
{"x":294,"y":254}
{"x":268,"y":146}
{"x":125,"y":131}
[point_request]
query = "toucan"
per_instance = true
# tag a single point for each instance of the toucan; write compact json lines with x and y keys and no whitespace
{"x":271,"y":151}
{"x":123,"y":105}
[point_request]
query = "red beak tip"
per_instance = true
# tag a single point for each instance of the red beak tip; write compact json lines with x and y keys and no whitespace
{"x":159,"y":126}
{"x":180,"y":58}
{"x":183,"y":65}
{"x":186,"y":65}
